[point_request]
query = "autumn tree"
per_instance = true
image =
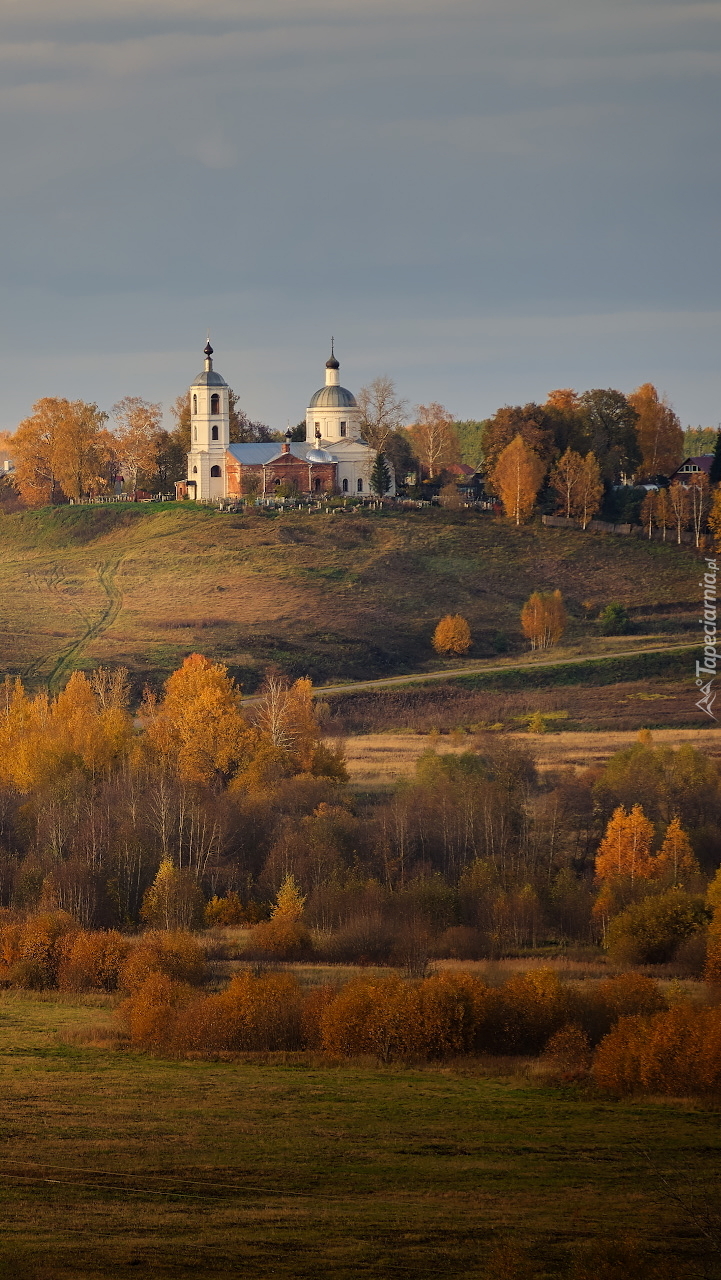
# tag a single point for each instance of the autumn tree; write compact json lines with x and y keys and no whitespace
{"x":659,"y":433}
{"x":62,"y":445}
{"x":288,"y":736}
{"x":589,"y":490}
{"x":138,"y":436}
{"x":83,"y":456}
{"x":543,"y":619}
{"x":699,"y":503}
{"x":199,"y":729}
{"x":680,"y":507}
{"x":610,"y":426}
{"x":565,"y":478}
{"x":625,"y":850}
{"x":382,"y":411}
{"x":452,"y":635}
{"x":434,"y":438}
{"x":675,"y":859}
{"x":517,"y":478}
{"x":530,"y":421}
{"x":174,"y":900}
{"x":284,"y":935}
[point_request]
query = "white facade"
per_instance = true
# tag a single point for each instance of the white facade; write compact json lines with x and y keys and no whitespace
{"x":209,"y":432}
{"x":333,"y":422}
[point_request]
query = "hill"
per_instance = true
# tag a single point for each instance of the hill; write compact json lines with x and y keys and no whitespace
{"x":337,"y":596}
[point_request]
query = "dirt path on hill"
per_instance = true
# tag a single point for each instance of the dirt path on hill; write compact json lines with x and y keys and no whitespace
{"x":64,"y":660}
{"x":480,"y":668}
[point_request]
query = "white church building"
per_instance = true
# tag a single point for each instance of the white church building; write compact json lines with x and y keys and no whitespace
{"x":333,"y":458}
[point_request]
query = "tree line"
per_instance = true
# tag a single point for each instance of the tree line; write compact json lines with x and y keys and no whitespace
{"x":566,"y":452}
{"x":197,"y":810}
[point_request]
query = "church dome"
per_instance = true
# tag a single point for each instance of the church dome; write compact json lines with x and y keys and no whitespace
{"x":208,"y":377}
{"x":319,"y":455}
{"x":332,"y":397}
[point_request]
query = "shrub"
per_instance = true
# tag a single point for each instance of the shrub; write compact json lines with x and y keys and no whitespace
{"x":650,"y":931}
{"x":179,"y":956}
{"x":713,"y":955}
{"x":31,"y":951}
{"x":452,"y":635}
{"x":614,"y":620}
{"x":225,"y":911}
{"x":460,"y":942}
{"x":93,"y":961}
{"x":525,"y":1012}
{"x":676,"y":1052}
{"x":569,"y":1051}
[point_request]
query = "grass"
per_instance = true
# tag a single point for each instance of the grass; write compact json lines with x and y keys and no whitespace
{"x":380,"y":759}
{"x":339,"y":597}
{"x":116,"y":1165}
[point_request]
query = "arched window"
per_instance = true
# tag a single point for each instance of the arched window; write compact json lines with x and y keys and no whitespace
{"x":214,"y":433}
{"x":277,"y":482}
{"x":345,"y":486}
{"x":360,"y":486}
{"x":195,"y":471}
{"x":195,"y":404}
{"x":215,"y":403}
{"x":215,"y":471}
{"x":316,"y":485}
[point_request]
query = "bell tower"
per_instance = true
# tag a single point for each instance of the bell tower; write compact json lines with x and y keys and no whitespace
{"x":209,"y":432}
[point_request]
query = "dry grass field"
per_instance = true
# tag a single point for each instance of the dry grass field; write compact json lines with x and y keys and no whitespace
{"x":117,"y":1164}
{"x":377,"y":760}
{"x":335,"y":596}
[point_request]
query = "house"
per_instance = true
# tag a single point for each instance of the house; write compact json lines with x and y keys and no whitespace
{"x":333,"y":458}
{"x":692,"y":467}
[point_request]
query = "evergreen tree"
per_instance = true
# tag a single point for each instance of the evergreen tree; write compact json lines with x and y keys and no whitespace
{"x":380,"y":475}
{"x":715,"y":472}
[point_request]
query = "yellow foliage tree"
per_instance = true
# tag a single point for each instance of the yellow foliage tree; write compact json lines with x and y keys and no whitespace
{"x":589,"y":490}
{"x":565,"y":479}
{"x":625,"y":851}
{"x":199,"y":730}
{"x":174,"y":900}
{"x":517,"y":477}
{"x":675,"y":859}
{"x":452,"y":635}
{"x":543,"y":619}
{"x":43,"y":739}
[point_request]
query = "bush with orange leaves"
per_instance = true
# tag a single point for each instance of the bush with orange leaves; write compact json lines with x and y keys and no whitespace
{"x":93,"y":961}
{"x":32,"y":950}
{"x":676,"y":1052}
{"x":252,"y":1014}
{"x":176,"y":954}
{"x":525,"y":1012}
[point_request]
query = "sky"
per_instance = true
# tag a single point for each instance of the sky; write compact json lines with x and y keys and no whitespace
{"x":483,"y":199}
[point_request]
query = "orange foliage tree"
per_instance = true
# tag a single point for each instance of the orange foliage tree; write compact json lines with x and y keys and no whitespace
{"x":452,"y":635}
{"x":517,"y":478}
{"x":658,"y":430}
{"x":543,"y":619}
{"x":675,"y":859}
{"x":625,"y":850}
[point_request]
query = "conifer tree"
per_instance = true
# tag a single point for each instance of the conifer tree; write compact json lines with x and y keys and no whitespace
{"x":380,"y":475}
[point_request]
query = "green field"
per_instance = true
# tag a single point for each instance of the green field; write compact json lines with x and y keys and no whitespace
{"x":116,"y":1165}
{"x":336,"y":596}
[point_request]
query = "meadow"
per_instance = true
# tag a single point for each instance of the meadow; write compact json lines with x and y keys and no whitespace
{"x":117,"y":1164}
{"x":335,"y":596}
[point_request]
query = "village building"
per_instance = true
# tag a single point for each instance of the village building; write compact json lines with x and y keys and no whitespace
{"x":333,"y":458}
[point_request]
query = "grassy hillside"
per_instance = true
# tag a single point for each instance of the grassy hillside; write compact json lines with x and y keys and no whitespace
{"x":336,"y":596}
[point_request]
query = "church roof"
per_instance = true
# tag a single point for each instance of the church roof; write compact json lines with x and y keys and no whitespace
{"x":332,"y":398}
{"x":260,"y":454}
{"x":209,"y":378}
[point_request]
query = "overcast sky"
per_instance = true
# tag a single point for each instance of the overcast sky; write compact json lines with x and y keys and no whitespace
{"x":485,"y":199}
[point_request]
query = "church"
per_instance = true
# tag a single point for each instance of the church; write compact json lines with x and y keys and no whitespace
{"x":333,"y":458}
